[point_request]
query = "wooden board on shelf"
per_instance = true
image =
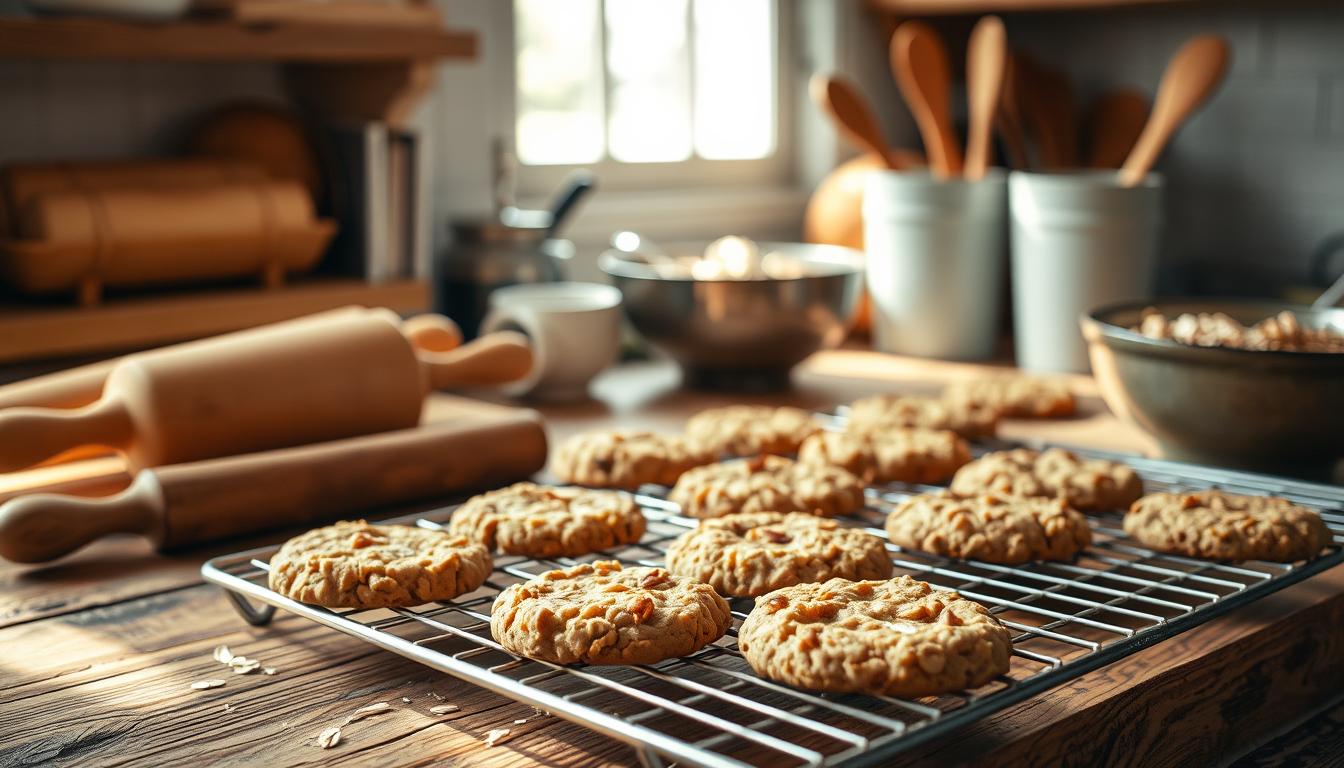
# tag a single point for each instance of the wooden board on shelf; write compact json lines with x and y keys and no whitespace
{"x":224,"y":40}
{"x":958,"y":7}
{"x":34,"y":332}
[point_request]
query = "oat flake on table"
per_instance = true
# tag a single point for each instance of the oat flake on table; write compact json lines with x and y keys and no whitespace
{"x":222,"y":654}
{"x":496,"y":736}
{"x":329,"y":737}
{"x":443,"y":709}
{"x":202,"y":685}
{"x":365,"y":711}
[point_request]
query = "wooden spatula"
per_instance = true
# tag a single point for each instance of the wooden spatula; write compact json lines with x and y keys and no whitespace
{"x":1192,"y":76}
{"x":986,"y":56}
{"x":920,"y":64}
{"x":1051,"y":111}
{"x":1114,"y":125}
{"x":854,"y":118}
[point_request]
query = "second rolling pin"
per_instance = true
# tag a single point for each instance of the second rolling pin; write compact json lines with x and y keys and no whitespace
{"x":76,"y":387}
{"x":186,"y":504}
{"x":288,"y":384}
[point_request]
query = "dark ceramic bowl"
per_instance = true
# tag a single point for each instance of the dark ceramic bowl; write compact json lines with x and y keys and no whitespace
{"x":1271,"y":411}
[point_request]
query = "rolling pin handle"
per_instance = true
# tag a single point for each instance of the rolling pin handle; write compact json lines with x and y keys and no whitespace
{"x":40,"y":527}
{"x":496,"y":358}
{"x":29,"y":436}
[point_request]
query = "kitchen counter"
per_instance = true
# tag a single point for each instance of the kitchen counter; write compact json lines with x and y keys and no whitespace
{"x":97,"y":651}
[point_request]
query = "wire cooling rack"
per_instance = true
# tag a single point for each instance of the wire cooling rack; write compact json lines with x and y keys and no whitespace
{"x":710,"y":709}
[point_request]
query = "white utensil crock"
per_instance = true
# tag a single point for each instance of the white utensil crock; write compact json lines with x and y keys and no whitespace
{"x":935,"y":262}
{"x":1079,"y":241}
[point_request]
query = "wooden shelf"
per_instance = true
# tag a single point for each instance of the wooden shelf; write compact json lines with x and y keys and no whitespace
{"x":959,"y":7}
{"x":60,"y":38}
{"x":34,"y":332}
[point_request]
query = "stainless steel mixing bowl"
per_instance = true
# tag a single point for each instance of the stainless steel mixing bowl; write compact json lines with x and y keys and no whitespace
{"x":741,"y":334}
{"x":1281,"y":412}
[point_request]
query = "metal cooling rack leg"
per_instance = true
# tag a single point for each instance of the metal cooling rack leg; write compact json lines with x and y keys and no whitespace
{"x":257,"y":617}
{"x":648,"y":758}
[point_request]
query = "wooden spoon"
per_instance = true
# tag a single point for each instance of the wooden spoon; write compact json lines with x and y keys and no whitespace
{"x":986,"y":57}
{"x":1010,"y":119}
{"x":1192,"y":76}
{"x":1051,"y":111}
{"x":919,"y":62}
{"x":1114,"y":125}
{"x":852,"y":115}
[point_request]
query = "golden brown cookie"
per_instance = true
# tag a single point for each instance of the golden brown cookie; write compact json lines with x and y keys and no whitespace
{"x":545,"y":521}
{"x":601,"y":613}
{"x":1015,"y":396}
{"x":1086,"y":484}
{"x":898,"y":637}
{"x":752,"y":553}
{"x":626,"y":459}
{"x":1217,"y":525}
{"x":883,"y":412}
{"x":767,"y":484}
{"x":995,"y":529}
{"x":889,"y":455}
{"x":358,"y":565}
{"x":750,"y":430}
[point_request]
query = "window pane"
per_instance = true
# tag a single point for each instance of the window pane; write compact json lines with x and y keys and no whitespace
{"x":734,"y":79}
{"x":650,"y":118}
{"x":559,"y":63}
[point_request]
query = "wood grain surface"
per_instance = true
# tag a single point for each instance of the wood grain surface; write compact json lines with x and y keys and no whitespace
{"x":99,"y":651}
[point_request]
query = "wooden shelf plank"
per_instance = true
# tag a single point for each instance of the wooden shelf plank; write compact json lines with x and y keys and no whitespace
{"x":959,"y":7}
{"x":228,"y":41}
{"x":34,"y":332}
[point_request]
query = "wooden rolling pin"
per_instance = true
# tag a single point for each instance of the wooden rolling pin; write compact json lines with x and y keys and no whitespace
{"x":80,"y":386}
{"x":272,"y":387}
{"x":185,"y":504}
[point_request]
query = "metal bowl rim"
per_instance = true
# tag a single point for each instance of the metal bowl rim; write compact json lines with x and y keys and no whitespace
{"x":1114,"y":332}
{"x":846,"y":262}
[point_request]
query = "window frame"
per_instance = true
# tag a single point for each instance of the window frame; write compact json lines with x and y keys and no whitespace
{"x":777,"y":170}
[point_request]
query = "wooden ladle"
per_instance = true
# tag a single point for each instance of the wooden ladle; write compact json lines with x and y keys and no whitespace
{"x":986,"y":58}
{"x":1114,"y":125}
{"x":1192,"y":76}
{"x":852,"y":115}
{"x":920,"y":65}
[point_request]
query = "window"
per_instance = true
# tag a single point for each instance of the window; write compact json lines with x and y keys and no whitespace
{"x":653,"y":91}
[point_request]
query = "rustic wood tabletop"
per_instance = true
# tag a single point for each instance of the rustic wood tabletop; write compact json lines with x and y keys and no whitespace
{"x":98,"y":651}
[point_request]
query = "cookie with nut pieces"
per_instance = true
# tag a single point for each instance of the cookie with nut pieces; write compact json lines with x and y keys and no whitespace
{"x":753,"y":553}
{"x":601,"y":613}
{"x":1015,"y":396}
{"x":1217,"y":525}
{"x":995,"y":529}
{"x":767,"y":484}
{"x":1085,"y":484}
{"x":898,"y":637}
{"x":750,"y":430}
{"x":547,"y":521}
{"x":883,"y":412}
{"x":626,"y":459}
{"x":891,"y":455}
{"x":359,"y":565}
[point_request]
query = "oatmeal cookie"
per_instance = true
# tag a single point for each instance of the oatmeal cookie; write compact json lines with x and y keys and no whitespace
{"x":608,"y":459}
{"x":1085,"y":484}
{"x":882,"y":412}
{"x":1021,"y":397}
{"x":545,"y":521}
{"x":601,"y":613}
{"x":753,"y":553}
{"x":358,"y":565}
{"x":991,"y":528}
{"x":898,"y":637}
{"x":1216,"y":525}
{"x":891,"y":455}
{"x":767,"y":484}
{"x":750,"y":430}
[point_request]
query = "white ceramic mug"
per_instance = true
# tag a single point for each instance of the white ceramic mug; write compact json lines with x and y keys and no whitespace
{"x":935,"y":262}
{"x":574,"y":328}
{"x":1079,"y":241}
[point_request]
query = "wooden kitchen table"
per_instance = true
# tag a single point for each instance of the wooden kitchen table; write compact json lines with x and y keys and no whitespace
{"x":98,"y":651}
